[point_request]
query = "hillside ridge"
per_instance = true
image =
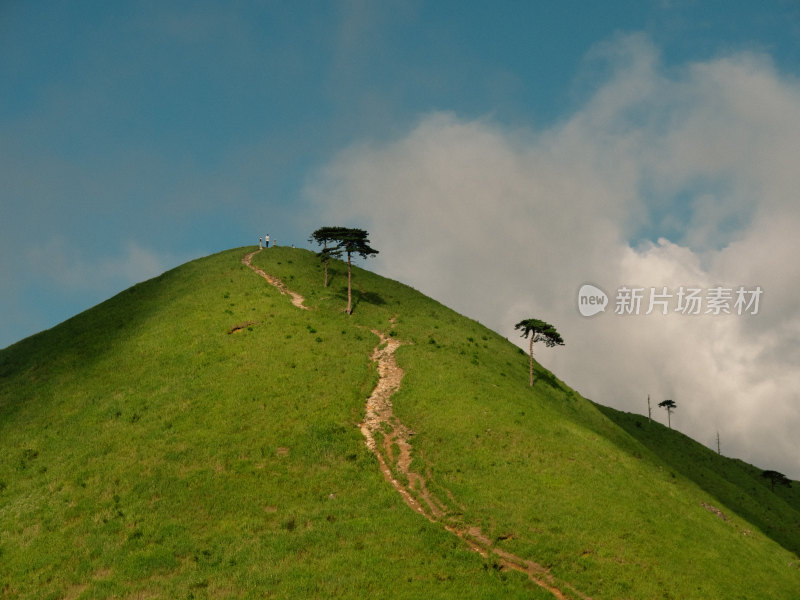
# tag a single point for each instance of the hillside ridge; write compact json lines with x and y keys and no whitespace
{"x":153,"y":454}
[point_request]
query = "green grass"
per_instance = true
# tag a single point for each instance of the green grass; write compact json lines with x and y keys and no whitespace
{"x":196,"y":437}
{"x":731,"y":482}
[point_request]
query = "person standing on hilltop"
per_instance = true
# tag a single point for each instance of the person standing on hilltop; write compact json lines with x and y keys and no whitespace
{"x":266,"y":241}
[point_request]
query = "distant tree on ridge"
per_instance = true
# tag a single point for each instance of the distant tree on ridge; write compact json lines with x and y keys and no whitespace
{"x":669,"y":405}
{"x":775,"y":477}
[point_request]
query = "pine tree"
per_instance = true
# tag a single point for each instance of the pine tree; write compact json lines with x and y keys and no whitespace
{"x":539,"y":331}
{"x":669,"y":405}
{"x":348,"y":241}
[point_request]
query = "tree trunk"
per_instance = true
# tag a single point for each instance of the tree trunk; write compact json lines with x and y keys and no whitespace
{"x":349,"y":292}
{"x":531,"y":361}
{"x":325,"y":247}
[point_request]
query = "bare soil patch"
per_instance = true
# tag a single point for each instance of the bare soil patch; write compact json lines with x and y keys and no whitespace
{"x":241,"y":326}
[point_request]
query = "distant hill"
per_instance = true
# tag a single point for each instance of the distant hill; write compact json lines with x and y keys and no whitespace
{"x":199,"y":436}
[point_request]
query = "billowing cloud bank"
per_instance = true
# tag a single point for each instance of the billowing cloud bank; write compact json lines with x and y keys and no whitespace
{"x":662,"y":178}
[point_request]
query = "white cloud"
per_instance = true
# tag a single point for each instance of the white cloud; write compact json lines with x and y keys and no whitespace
{"x":505,"y":224}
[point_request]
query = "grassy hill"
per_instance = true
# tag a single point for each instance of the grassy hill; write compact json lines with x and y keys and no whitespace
{"x":197,"y":436}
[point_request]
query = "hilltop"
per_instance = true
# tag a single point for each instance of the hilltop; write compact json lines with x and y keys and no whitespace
{"x":199,"y":435}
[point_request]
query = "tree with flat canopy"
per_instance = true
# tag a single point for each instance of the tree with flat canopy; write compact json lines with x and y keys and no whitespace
{"x":348,"y":241}
{"x":669,"y":406}
{"x":354,"y":241}
{"x":324,"y":236}
{"x":539,"y":331}
{"x":775,"y":477}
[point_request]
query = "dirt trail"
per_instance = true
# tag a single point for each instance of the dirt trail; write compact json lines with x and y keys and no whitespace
{"x":297,"y":299}
{"x":388,"y":438}
{"x":380,"y":422}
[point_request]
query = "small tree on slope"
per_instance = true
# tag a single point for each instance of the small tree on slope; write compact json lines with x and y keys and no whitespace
{"x":669,"y":405}
{"x":539,"y":331}
{"x":775,"y":477}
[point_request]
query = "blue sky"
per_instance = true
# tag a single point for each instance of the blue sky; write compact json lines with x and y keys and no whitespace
{"x":137,"y":135}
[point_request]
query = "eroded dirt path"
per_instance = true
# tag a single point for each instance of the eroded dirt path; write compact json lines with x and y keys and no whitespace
{"x":388,"y":438}
{"x":297,"y":299}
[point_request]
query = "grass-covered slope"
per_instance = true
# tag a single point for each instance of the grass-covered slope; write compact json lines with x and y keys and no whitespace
{"x":197,"y":436}
{"x":739,"y":486}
